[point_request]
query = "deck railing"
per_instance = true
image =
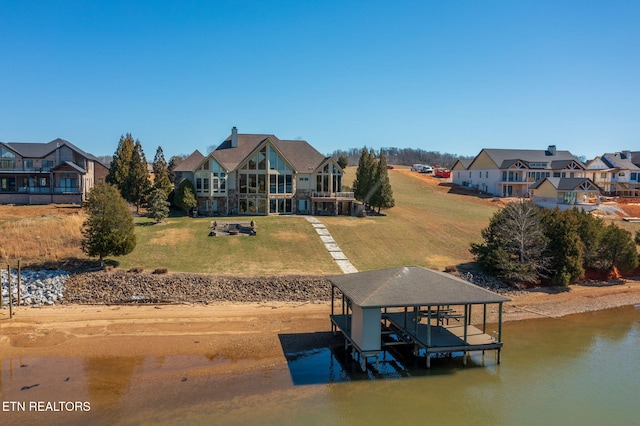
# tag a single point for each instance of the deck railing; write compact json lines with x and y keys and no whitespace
{"x":332,"y":194}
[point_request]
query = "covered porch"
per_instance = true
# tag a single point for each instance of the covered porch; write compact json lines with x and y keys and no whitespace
{"x":332,"y":203}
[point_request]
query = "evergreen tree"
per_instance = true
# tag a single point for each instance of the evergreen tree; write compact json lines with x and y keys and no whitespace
{"x":173,"y":162}
{"x":121,"y":165}
{"x":617,"y":250}
{"x":565,"y":248}
{"x":158,"y":204}
{"x":184,"y":197}
{"x":383,"y":195}
{"x":342,"y":161}
{"x":109,"y":228}
{"x":161,"y":173}
{"x":138,"y":182}
{"x":363,"y":185}
{"x":591,"y":229}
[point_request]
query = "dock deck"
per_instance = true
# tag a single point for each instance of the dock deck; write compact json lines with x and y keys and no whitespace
{"x":442,"y":338}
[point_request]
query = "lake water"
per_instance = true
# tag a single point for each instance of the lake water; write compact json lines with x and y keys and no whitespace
{"x":582,"y":369}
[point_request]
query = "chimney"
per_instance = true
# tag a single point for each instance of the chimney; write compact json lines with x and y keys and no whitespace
{"x":234,"y":137}
{"x":551,"y":150}
{"x":627,"y":154}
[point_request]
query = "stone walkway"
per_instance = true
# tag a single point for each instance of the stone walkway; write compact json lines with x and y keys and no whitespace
{"x":332,"y":246}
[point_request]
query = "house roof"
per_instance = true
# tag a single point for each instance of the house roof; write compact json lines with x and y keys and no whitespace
{"x":564,"y":184}
{"x":464,"y":162}
{"x":41,"y":150}
{"x":189,"y":163}
{"x":504,"y":158}
{"x":231,"y":157}
{"x":411,"y":286}
{"x":619,"y":161}
{"x":300,"y":154}
{"x":303,"y":157}
{"x":69,"y":164}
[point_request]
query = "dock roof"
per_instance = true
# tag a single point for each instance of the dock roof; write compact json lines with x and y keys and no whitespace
{"x":411,"y":286}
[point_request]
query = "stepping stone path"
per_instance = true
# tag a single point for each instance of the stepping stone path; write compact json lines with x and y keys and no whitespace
{"x":334,"y":250}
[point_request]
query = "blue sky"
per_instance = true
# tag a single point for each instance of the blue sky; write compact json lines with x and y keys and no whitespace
{"x":448,"y":76}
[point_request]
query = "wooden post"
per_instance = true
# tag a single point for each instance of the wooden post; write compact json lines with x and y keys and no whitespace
{"x":484,"y":318}
{"x":18,"y":282}
{"x":10,"y":295}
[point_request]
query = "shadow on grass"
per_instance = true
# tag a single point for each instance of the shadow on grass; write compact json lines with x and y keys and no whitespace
{"x":460,"y":190}
{"x":72,"y":264}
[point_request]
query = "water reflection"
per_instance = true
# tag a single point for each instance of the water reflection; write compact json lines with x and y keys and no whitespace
{"x":109,"y":378}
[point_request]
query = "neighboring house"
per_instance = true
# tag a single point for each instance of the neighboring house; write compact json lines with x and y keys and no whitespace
{"x":458,"y":175}
{"x":565,"y":193}
{"x":510,"y":172}
{"x":56,"y":172}
{"x":616,"y":174}
{"x":255,"y":174}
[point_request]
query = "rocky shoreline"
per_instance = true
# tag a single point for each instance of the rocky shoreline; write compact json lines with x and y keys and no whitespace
{"x":126,"y":287}
{"x":117,"y":287}
{"x":37,"y":288}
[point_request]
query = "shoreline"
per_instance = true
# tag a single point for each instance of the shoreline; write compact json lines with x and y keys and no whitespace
{"x":235,"y":331}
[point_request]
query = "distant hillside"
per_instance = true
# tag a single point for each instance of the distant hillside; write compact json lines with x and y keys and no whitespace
{"x":405,"y":156}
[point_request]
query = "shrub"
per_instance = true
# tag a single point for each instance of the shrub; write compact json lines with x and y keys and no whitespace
{"x":136,"y":269}
{"x":160,"y":271}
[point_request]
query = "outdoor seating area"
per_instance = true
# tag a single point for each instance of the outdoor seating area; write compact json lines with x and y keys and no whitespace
{"x":235,"y":228}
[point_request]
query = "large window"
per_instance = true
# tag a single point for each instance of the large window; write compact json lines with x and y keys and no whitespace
{"x":329,"y":179}
{"x":8,"y":184}
{"x":263,"y":175}
{"x":68,"y":183}
{"x":211,"y":179}
{"x":280,"y":206}
{"x":7,"y":160}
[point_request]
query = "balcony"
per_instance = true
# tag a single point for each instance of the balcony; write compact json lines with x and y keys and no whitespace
{"x":333,"y":195}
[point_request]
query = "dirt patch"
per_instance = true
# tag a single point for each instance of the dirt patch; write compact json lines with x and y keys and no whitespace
{"x":170,"y":237}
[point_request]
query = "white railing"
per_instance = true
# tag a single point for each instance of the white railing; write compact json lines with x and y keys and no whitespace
{"x":332,"y":194}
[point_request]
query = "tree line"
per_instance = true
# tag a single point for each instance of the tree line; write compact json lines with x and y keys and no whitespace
{"x":404,"y":156}
{"x":527,"y":244}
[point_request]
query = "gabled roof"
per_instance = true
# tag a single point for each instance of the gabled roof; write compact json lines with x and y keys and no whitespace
{"x":619,"y":161}
{"x":69,"y":164}
{"x":410,"y":286}
{"x":41,"y":150}
{"x":231,"y":157}
{"x":303,"y":157}
{"x":189,"y":163}
{"x":464,"y":162}
{"x":300,"y":154}
{"x":566,"y":184}
{"x":561,"y":164}
{"x":503,"y":158}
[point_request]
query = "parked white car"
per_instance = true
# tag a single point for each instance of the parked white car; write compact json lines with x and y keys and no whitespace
{"x":422,"y":168}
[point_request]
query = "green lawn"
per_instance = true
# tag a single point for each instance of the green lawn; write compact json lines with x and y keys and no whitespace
{"x":428,"y":227}
{"x":283,"y":245}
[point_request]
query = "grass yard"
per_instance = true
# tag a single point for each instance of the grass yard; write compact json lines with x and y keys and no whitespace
{"x":283,"y":245}
{"x":428,"y":226}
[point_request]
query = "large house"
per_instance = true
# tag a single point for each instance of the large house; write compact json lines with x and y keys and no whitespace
{"x":259,"y":174}
{"x":56,"y":172}
{"x":616,"y":173}
{"x":510,"y":172}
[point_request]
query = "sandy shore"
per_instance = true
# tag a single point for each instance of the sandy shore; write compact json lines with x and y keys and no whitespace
{"x":251,"y":333}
